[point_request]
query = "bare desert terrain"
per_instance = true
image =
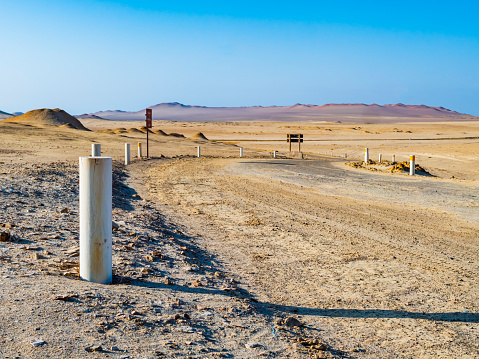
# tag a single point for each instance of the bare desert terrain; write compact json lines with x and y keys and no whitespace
{"x":222,"y":256}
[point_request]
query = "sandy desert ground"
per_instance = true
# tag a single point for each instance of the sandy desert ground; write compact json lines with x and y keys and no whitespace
{"x":222,"y":256}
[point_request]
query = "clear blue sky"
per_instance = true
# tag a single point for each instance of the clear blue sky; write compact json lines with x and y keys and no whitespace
{"x":86,"y":56}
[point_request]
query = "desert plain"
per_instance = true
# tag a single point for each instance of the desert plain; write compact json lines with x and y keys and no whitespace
{"x":222,"y":256}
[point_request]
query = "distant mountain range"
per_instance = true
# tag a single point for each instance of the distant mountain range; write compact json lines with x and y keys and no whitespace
{"x":4,"y":115}
{"x":347,"y":112}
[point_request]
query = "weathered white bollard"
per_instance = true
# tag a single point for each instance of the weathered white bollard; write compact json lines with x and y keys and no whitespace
{"x":345,"y":155}
{"x":139,"y":150}
{"x":274,"y":154}
{"x":241,"y":151}
{"x":95,"y":149}
{"x":127,"y":154}
{"x":96,"y":219}
{"x":366,"y":155}
{"x":394,"y":158}
{"x":412,"y":165}
{"x":199,"y":152}
{"x":380,"y":157}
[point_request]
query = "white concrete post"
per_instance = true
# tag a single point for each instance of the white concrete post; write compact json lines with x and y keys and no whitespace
{"x":139,"y":150}
{"x":345,"y":155}
{"x":127,"y":154}
{"x":412,"y":165}
{"x":380,"y":157}
{"x":96,"y":219}
{"x":366,"y":155}
{"x":394,"y":158}
{"x":274,"y":154}
{"x":199,"y":152}
{"x":95,"y":150}
{"x":241,"y":151}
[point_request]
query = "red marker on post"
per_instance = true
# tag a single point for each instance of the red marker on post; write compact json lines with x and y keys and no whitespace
{"x":149,"y":124}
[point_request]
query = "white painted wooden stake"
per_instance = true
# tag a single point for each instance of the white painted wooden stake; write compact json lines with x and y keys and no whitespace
{"x":241,"y":151}
{"x":394,"y":158}
{"x":127,"y":154}
{"x":96,"y":219}
{"x":274,"y":154}
{"x":380,"y":157}
{"x":199,"y":151}
{"x":139,"y":150}
{"x":95,"y":150}
{"x":412,"y":165}
{"x":366,"y":155}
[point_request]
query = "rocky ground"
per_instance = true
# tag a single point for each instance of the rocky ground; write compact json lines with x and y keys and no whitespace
{"x":170,"y":297}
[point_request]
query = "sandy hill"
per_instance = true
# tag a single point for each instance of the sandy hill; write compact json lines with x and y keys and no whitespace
{"x":48,"y":117}
{"x":358,"y":112}
{"x":198,"y":136}
{"x":4,"y":115}
{"x":160,"y":132}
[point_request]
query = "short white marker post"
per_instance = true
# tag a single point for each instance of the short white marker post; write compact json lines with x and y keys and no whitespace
{"x":380,"y":157}
{"x":412,"y":165}
{"x":366,"y":155}
{"x":199,"y":152}
{"x":139,"y":150}
{"x":96,"y":219}
{"x":127,"y":154}
{"x":95,"y":150}
{"x":394,"y":158}
{"x":274,"y":154}
{"x":241,"y":151}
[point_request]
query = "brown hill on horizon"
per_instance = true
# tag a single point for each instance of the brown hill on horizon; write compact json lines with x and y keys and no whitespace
{"x":48,"y":117}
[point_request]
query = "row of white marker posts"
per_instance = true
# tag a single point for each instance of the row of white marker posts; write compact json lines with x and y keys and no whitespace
{"x":96,"y":213}
{"x":96,"y":217}
{"x":412,"y":161}
{"x":198,"y":153}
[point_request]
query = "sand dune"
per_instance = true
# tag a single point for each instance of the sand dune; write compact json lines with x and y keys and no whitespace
{"x":48,"y":117}
{"x":160,"y":132}
{"x":360,"y":113}
{"x":198,"y":136}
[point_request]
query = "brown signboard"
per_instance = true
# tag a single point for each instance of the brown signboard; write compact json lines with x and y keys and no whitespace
{"x":149,"y":118}
{"x":295,"y":137}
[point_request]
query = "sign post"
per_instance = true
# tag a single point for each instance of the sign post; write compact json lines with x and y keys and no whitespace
{"x":295,"y":138}
{"x":149,"y":124}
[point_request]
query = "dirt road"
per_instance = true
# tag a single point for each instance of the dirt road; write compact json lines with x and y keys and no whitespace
{"x":378,"y":264}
